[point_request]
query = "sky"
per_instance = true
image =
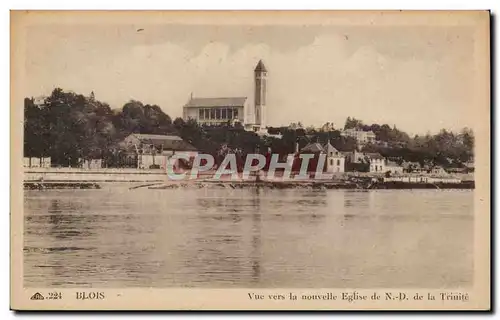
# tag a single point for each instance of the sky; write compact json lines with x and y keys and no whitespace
{"x":419,"y":78}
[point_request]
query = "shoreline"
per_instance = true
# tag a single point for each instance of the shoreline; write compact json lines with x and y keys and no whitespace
{"x":74,"y":178}
{"x":313,"y":185}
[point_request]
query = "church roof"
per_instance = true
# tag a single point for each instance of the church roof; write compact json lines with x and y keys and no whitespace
{"x":260,"y":67}
{"x":216,"y":102}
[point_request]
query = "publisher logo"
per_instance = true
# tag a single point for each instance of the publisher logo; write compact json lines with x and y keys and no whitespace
{"x":37,"y":296}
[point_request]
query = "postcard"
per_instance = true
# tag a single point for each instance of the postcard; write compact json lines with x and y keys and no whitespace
{"x":250,"y":160}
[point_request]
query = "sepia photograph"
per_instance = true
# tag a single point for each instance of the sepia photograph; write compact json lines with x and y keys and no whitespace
{"x":281,"y":159}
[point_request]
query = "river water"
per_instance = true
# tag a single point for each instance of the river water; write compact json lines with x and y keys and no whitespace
{"x":219,"y":238}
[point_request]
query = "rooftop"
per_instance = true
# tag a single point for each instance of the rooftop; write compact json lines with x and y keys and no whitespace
{"x":374,"y":155}
{"x":216,"y":102}
{"x":260,"y":67}
{"x":316,"y":147}
{"x":313,"y":147}
{"x":328,"y":147}
{"x":167,"y":142}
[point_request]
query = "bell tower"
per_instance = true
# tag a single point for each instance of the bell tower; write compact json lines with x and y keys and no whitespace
{"x":260,"y":75}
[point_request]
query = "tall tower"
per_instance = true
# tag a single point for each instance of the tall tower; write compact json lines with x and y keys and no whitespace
{"x":260,"y":75}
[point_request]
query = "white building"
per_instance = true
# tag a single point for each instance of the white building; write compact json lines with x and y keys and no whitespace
{"x":377,"y":162}
{"x":221,"y":110}
{"x":362,"y":137}
{"x":335,"y":161}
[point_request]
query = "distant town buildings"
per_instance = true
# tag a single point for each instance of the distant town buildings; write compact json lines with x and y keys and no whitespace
{"x":221,"y":110}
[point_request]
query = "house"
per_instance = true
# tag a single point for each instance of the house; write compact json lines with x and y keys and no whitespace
{"x":335,"y":160}
{"x":356,"y":161}
{"x":362,"y":137}
{"x":149,"y":151}
{"x":393,"y":167}
{"x":377,"y":162}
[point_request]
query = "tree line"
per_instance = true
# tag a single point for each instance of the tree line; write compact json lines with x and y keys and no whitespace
{"x":68,"y":126}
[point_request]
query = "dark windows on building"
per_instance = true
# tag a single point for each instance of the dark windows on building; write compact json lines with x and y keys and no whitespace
{"x":222,"y":114}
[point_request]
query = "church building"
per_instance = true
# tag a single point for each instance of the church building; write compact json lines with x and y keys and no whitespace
{"x":220,"y":110}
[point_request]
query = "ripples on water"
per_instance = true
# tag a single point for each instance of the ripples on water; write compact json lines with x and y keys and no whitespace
{"x":248,"y":238}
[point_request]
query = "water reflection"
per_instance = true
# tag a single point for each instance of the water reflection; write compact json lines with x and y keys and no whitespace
{"x":248,"y":238}
{"x":256,"y":252}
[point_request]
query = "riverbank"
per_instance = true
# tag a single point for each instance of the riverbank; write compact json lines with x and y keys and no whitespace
{"x":73,"y":178}
{"x":314,"y":185}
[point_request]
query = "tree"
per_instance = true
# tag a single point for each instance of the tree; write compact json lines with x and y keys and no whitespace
{"x":353,"y":123}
